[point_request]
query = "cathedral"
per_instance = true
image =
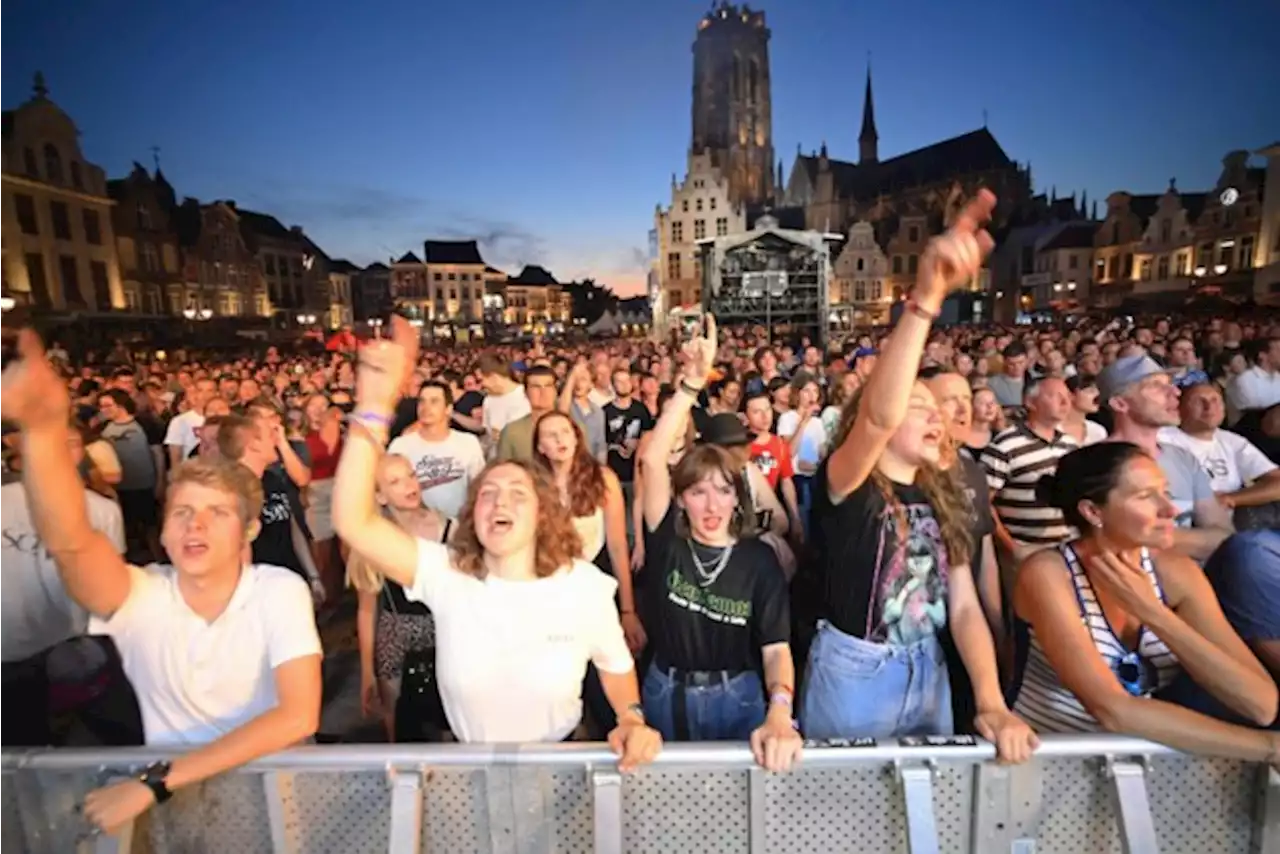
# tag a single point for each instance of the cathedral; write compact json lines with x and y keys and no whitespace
{"x":884,"y":209}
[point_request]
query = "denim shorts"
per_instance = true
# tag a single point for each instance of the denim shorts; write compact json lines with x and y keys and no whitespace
{"x":726,"y":708}
{"x":860,"y":689}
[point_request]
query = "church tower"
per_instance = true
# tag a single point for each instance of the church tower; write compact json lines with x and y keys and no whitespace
{"x":732,"y":107}
{"x":868,"y":140}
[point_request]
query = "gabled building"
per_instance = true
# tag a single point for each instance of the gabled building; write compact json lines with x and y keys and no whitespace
{"x":457,"y":275}
{"x":56,"y":237}
{"x":294,"y":269}
{"x":342,"y":274}
{"x":860,"y":291}
{"x":1267,"y":278}
{"x":221,"y":275}
{"x":1116,"y":244}
{"x":1063,"y":269}
{"x":1227,"y":231}
{"x":536,"y":302}
{"x":408,"y":279}
{"x":1166,"y":252}
{"x":146,"y":240}
{"x":371,"y":292}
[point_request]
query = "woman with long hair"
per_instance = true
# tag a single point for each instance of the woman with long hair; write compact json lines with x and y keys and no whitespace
{"x":518,"y":614}
{"x":895,"y":544}
{"x":717,"y":598}
{"x":1116,"y":616}
{"x":593,"y":495}
{"x":388,"y":625}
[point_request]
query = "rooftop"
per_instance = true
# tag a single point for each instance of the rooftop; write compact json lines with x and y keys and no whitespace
{"x":452,"y":252}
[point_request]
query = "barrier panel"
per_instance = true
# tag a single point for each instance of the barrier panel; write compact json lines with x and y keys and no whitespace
{"x":1081,"y":795}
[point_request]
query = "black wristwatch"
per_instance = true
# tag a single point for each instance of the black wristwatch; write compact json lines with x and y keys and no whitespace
{"x":153,"y":777}
{"x":637,"y":710}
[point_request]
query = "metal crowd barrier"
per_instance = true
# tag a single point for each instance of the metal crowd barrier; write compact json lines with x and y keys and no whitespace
{"x":1081,"y":795}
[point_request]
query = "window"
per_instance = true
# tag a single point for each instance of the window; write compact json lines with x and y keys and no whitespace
{"x":70,"y":280}
{"x":877,"y":290}
{"x":1128,"y":265}
{"x":26,"y":209}
{"x":37,"y":282}
{"x":913,"y":263}
{"x":860,"y":264}
{"x":913,"y":234}
{"x":1224,"y":255}
{"x":29,"y":163}
{"x":1115,"y":233}
{"x":722,"y":226}
{"x":673,"y":265}
{"x":712,"y":202}
{"x":1166,"y":230}
{"x":144,"y":217}
{"x":61,"y":220}
{"x":1181,"y":261}
{"x":677,"y":232}
{"x":1073,"y":261}
{"x":698,"y":204}
{"x":52,"y":164}
{"x":453,"y":277}
{"x":1246,"y":252}
{"x":224,"y":304}
{"x":684,"y":205}
{"x":860,"y":291}
{"x":1204,"y":254}
{"x":897,"y":265}
{"x":76,"y":180}
{"x":1113,"y":267}
{"x":699,"y":229}
{"x":92,"y":229}
{"x":1162,"y":268}
{"x":1100,"y":270}
{"x":436,"y":277}
{"x":1145,"y":268}
{"x":131,"y":302}
{"x":101,"y":287}
{"x":151,"y":262}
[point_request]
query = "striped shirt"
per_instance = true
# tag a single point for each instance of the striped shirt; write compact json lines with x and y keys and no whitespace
{"x":1014,"y":461}
{"x":1045,"y":703}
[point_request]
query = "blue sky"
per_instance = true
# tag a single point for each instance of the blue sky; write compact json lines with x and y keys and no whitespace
{"x":550,"y":129}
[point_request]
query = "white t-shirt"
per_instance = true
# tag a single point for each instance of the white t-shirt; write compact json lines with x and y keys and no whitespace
{"x":1230,"y":460}
{"x":197,"y":681}
{"x":182,"y":431}
{"x":35,"y":610}
{"x":1093,"y":433}
{"x":809,"y":451}
{"x":444,"y":469}
{"x":511,"y":655}
{"x":501,"y":409}
{"x":1254,"y":389}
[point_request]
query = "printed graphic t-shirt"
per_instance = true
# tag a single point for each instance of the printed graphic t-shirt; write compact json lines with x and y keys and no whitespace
{"x":620,"y":426}
{"x":444,"y":469}
{"x":877,"y":587}
{"x":274,"y":543}
{"x":773,"y":457}
{"x":720,"y":626}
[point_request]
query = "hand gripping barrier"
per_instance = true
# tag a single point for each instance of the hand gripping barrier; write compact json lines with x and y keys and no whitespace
{"x":1080,"y":795}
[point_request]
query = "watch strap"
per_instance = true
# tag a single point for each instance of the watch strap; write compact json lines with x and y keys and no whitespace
{"x":153,"y":777}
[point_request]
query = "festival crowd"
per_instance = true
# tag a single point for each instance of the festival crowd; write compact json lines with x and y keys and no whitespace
{"x":732,"y":535}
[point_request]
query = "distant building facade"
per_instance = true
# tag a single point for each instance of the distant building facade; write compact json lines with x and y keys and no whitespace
{"x":146,"y":240}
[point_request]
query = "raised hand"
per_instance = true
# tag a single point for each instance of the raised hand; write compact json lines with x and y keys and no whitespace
{"x":700,"y":352}
{"x":954,"y":257}
{"x":385,"y":365}
{"x":31,"y":392}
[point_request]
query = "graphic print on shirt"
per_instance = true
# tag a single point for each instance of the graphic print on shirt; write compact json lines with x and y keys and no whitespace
{"x":433,"y":471}
{"x":767,"y":463}
{"x":911,"y":600}
{"x":275,"y":509}
{"x":692,"y":597}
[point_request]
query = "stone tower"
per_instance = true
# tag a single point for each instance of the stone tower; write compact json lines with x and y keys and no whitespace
{"x":868,"y":140}
{"x":732,"y":107}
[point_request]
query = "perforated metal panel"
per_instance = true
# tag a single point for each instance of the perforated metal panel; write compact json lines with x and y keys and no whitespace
{"x":678,"y":812}
{"x":11,"y":841}
{"x":834,"y":810}
{"x":455,"y":817}
{"x":340,"y":812}
{"x":571,"y":813}
{"x":225,"y":814}
{"x":1202,"y":806}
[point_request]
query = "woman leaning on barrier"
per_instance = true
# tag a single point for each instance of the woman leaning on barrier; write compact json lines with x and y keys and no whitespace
{"x":895,"y":544}
{"x":1114,"y":617}
{"x":717,"y":600}
{"x":518,"y":614}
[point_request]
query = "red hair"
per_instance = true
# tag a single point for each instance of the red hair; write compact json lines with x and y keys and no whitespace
{"x":586,"y":474}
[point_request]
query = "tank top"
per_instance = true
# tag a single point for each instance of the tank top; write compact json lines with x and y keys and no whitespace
{"x":1047,"y":705}
{"x":591,"y":529}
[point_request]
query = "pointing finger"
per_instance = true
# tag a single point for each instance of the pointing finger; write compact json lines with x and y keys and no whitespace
{"x":976,"y":213}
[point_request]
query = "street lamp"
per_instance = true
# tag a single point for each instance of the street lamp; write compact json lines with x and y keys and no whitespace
{"x":7,"y":303}
{"x":306,"y":319}
{"x":1219,"y":269}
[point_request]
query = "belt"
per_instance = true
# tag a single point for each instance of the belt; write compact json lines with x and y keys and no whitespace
{"x":689,"y":679}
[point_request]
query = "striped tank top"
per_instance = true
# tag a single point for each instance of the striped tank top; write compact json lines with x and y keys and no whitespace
{"x":1043,"y":701}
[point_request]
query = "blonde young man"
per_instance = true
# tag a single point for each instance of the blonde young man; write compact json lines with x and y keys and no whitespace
{"x":224,"y":655}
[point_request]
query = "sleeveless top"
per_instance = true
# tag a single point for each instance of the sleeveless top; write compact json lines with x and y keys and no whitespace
{"x":1042,"y":700}
{"x":591,"y":529}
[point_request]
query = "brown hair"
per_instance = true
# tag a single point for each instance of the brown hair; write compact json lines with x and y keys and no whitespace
{"x":234,"y":434}
{"x":224,"y":476}
{"x":557,"y":542}
{"x":586,"y":475}
{"x":942,"y":489}
{"x":699,"y":463}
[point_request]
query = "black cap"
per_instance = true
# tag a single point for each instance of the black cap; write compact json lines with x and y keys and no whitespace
{"x":725,"y":429}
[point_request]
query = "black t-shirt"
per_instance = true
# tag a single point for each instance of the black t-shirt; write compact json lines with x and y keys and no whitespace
{"x":723,"y":625}
{"x":274,"y":544}
{"x":405,"y":415}
{"x":467,"y":405}
{"x":620,"y":425}
{"x":875,"y":586}
{"x":979,"y":494}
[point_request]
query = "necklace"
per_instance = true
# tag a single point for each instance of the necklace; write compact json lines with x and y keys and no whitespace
{"x":710,"y":571}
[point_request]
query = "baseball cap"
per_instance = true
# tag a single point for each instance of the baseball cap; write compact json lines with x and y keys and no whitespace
{"x":1123,"y":373}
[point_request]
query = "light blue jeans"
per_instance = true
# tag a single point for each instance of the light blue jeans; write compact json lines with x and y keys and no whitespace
{"x":718,"y":707}
{"x":859,"y":689}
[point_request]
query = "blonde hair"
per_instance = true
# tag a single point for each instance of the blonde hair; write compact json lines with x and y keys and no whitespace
{"x":224,"y":476}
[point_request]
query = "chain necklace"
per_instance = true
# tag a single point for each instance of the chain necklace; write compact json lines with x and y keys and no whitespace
{"x":709,"y":572}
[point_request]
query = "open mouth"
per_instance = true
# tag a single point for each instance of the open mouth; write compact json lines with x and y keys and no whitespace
{"x":933,"y":437}
{"x":195,"y":548}
{"x":502,"y":523}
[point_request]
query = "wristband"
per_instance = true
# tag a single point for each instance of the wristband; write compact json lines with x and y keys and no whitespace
{"x":781,"y":698}
{"x":367,"y":415}
{"x":691,"y":390}
{"x":922,"y":312}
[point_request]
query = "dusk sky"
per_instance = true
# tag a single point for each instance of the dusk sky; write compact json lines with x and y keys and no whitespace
{"x":549,"y":130}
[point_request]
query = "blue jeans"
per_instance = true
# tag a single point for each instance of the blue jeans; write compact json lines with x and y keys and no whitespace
{"x":859,"y":689}
{"x":718,"y":708}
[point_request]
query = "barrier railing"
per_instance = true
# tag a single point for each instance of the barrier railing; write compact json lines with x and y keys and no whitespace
{"x":1081,"y":794}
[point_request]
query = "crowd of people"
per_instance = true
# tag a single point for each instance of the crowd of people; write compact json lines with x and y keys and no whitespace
{"x":1004,"y":532}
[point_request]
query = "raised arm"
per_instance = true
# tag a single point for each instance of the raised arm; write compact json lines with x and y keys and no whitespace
{"x":950,"y":260}
{"x":701,"y":354}
{"x":383,"y":364}
{"x":93,"y":572}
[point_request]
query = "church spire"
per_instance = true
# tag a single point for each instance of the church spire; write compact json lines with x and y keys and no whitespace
{"x":868,"y":140}
{"x":38,"y":88}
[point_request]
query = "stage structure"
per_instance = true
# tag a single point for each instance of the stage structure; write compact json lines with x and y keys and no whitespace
{"x":770,"y":276}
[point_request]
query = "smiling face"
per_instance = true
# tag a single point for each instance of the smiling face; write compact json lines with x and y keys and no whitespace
{"x":506,"y":510}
